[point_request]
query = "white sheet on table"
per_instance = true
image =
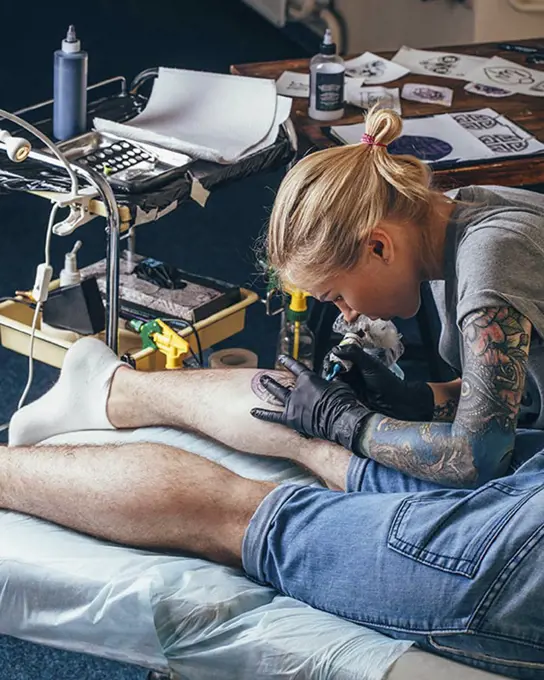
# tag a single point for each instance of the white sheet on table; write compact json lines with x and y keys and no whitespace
{"x":293,"y":84}
{"x":372,"y":69}
{"x":163,"y":611}
{"x":367,"y":97}
{"x":499,"y":72}
{"x":499,"y":134}
{"x":442,"y":64}
{"x":212,"y":116}
{"x":442,"y":126}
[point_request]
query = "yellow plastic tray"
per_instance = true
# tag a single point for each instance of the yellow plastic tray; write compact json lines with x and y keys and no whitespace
{"x":16,"y":323}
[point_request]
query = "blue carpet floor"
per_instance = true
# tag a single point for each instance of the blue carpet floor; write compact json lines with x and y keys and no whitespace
{"x":124,"y":37}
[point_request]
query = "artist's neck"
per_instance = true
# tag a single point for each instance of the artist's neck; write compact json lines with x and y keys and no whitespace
{"x":434,"y":267}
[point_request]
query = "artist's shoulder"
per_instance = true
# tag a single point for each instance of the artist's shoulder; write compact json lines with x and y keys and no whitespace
{"x":500,"y":214}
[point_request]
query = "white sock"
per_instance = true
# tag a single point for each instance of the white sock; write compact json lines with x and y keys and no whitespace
{"x":77,"y":401}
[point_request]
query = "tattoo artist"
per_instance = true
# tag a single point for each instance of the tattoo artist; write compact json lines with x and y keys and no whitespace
{"x":359,"y":227}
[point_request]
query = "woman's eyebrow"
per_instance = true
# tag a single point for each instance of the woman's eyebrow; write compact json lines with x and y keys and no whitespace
{"x":323,"y":298}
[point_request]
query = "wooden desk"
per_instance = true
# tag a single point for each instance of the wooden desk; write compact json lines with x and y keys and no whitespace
{"x":528,"y":112}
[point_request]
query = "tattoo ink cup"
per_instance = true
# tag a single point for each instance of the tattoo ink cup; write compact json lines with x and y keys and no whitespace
{"x":70,"y":88}
{"x":327,"y":71}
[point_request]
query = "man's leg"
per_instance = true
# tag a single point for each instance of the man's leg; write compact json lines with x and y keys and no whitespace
{"x":328,"y":549}
{"x":95,"y":391}
{"x":146,"y":495}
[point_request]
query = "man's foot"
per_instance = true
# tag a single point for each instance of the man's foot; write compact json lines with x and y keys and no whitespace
{"x":77,"y":401}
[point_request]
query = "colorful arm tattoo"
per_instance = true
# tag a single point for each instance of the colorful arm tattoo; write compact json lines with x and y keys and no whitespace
{"x":477,"y":446}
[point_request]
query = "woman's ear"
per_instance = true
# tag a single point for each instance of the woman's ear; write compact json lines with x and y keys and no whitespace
{"x":381,"y":246}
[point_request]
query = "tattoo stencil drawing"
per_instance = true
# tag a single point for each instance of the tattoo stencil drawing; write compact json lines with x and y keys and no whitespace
{"x":368,"y":70}
{"x":503,"y":140}
{"x":442,"y":66}
{"x":506,"y":75}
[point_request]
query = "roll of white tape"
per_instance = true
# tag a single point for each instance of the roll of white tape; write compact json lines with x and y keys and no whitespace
{"x":233,"y":358}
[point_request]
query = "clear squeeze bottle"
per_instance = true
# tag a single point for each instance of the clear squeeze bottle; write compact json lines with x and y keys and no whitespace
{"x":327,"y":71}
{"x":295,"y":338}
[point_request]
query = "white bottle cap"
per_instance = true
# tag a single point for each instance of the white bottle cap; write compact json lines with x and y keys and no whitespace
{"x":71,"y":43}
{"x":70,"y":275}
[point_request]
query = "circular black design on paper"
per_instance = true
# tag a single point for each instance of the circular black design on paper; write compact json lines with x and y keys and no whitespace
{"x":424,"y":148}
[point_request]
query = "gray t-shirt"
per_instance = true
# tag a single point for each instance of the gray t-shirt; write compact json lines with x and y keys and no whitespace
{"x":495,"y":255}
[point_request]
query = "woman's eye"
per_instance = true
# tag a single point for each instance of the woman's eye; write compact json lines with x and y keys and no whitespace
{"x":339,"y":298}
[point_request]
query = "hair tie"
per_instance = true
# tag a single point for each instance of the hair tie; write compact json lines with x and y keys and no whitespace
{"x":370,"y":140}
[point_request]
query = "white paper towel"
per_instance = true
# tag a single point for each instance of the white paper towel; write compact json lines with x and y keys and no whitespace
{"x":212,"y":116}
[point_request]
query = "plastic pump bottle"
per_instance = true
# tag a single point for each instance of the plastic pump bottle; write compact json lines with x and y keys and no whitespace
{"x":70,"y":88}
{"x":327,"y":72}
{"x":295,"y":338}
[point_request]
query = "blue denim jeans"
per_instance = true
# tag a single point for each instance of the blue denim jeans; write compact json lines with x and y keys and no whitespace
{"x":460,"y":572}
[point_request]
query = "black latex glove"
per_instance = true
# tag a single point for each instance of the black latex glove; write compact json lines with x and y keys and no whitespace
{"x":383,"y":391}
{"x":315,"y":407}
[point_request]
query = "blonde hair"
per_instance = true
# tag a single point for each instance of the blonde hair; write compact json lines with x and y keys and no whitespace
{"x":329,"y":203}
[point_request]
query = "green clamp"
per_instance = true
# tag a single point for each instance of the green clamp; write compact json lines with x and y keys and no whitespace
{"x":146,"y":330}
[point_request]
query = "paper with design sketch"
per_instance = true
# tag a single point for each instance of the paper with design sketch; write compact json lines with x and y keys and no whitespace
{"x":500,"y":135}
{"x":292,"y":84}
{"x":499,"y":72}
{"x":472,"y":135}
{"x":427,"y":94}
{"x":371,"y":69}
{"x":433,"y":139}
{"x":212,"y":116}
{"x":488,"y":90}
{"x":367,"y":97}
{"x":443,"y":64}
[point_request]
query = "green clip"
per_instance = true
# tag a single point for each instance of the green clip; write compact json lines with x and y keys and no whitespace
{"x":146,"y":329}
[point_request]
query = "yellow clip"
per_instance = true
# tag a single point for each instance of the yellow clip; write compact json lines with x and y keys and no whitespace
{"x":171,"y":345}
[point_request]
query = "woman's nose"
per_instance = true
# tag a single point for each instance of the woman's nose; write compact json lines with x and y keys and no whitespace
{"x":350,"y":315}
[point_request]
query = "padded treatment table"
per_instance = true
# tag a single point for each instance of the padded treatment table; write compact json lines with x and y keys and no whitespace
{"x":181,"y":615}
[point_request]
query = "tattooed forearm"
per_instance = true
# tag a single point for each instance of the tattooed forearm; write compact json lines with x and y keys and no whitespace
{"x":496,"y":349}
{"x":424,"y":450}
{"x":445,"y":412}
{"x":479,"y":442}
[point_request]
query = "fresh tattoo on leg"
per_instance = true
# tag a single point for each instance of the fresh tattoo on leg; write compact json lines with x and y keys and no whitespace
{"x":259,"y":391}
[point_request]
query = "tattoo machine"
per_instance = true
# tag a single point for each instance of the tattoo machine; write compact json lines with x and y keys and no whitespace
{"x":379,"y":338}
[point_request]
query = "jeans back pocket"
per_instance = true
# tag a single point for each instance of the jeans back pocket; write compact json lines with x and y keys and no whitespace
{"x":453,"y":530}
